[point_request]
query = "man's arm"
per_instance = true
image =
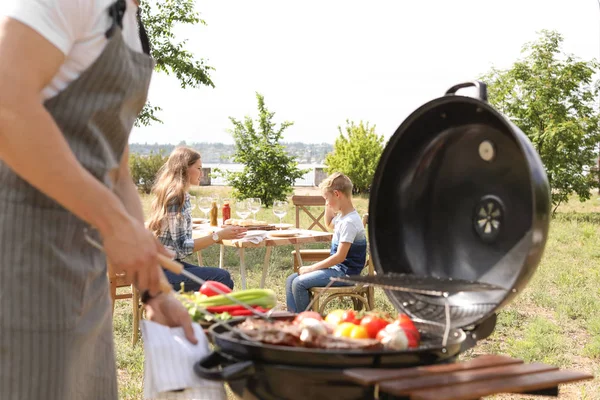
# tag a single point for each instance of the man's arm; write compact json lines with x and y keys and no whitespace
{"x":32,"y":145}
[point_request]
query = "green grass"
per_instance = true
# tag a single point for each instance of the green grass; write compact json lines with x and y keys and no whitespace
{"x":555,"y":320}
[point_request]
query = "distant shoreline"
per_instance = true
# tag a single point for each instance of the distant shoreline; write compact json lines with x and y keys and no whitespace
{"x":221,"y":153}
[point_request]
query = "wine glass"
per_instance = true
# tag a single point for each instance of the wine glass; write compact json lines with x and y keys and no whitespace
{"x":205,"y":204}
{"x":280,"y":209}
{"x":254,"y":204}
{"x":193,"y":202}
{"x":242,"y":209}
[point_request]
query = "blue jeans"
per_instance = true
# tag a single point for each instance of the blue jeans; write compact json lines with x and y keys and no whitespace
{"x":206,"y":273}
{"x":297,"y":286}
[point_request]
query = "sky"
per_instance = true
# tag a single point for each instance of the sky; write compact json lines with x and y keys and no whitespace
{"x":321,"y":62}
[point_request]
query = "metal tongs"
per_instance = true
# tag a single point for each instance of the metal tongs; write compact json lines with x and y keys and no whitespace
{"x":177,"y":268}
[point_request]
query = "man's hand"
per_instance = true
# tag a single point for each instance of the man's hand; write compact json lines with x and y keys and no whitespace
{"x":167,"y":310}
{"x":133,"y":249}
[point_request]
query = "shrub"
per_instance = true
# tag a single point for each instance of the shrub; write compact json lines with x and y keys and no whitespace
{"x":144,"y":169}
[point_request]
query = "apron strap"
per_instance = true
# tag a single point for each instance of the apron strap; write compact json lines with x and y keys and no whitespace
{"x":143,"y":35}
{"x":116,"y":12}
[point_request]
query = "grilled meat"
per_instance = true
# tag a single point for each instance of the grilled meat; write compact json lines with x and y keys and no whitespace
{"x":285,"y":333}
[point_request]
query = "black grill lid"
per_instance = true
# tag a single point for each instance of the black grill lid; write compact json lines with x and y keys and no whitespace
{"x":459,"y":195}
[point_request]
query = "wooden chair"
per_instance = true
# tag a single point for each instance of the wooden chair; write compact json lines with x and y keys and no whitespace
{"x":302,"y":204}
{"x":118,"y":280}
{"x":361,"y":295}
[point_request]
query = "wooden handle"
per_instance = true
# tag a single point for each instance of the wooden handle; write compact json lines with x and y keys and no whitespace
{"x":169,"y":264}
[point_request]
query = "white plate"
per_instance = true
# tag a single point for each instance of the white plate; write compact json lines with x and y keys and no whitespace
{"x":254,"y":233}
{"x":284,"y":233}
{"x":282,"y":226}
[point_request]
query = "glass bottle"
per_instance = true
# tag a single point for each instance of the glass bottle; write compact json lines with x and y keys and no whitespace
{"x":226,"y":211}
{"x":214,"y":214}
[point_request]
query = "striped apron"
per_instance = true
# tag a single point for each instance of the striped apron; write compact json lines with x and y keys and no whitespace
{"x":55,"y":310}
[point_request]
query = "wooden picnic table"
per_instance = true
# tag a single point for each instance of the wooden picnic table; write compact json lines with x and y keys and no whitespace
{"x":482,"y":376}
{"x":304,"y":236}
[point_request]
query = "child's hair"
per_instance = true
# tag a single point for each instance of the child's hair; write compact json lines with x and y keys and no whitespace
{"x":337,"y":181}
{"x":171,"y":184}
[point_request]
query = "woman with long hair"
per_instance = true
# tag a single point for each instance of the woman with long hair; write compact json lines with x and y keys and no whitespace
{"x":171,"y":218}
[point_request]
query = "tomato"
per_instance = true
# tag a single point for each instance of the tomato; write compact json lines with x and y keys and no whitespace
{"x":350,"y":316}
{"x":334,"y":317}
{"x":307,"y":314}
{"x":344,"y":329}
{"x":208,"y":288}
{"x":359,"y":332}
{"x":373,"y":324}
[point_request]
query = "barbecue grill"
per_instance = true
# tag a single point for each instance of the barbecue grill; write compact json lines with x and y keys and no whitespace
{"x":459,"y":214}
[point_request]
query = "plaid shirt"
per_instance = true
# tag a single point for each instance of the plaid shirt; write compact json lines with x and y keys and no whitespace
{"x":176,"y":231}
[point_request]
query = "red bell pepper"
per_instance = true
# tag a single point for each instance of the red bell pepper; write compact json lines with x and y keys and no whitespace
{"x":208,"y":288}
{"x":227,"y":308}
{"x":246,"y":312}
{"x":234,"y":309}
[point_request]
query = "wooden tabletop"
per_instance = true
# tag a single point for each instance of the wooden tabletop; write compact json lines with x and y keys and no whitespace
{"x":468,"y":380}
{"x":303,"y":236}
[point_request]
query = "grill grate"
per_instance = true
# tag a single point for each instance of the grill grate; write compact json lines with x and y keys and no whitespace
{"x":430,"y":286}
{"x":417,"y":293}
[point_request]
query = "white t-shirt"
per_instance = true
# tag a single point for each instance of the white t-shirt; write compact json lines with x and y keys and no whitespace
{"x":75,"y":27}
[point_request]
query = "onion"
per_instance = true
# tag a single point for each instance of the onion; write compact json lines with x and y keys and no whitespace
{"x":310,"y":328}
{"x":393,"y":337}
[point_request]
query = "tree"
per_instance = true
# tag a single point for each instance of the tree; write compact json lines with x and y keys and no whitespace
{"x":269,"y":172}
{"x":160,"y":18}
{"x":145,"y":168}
{"x":550,"y":96}
{"x":356,"y":154}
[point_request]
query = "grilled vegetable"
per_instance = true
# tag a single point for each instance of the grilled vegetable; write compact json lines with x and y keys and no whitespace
{"x":344,"y":329}
{"x":350,"y":316}
{"x":311,"y":327}
{"x":307,"y":314}
{"x":335,"y":317}
{"x":410,"y":330}
{"x":208,"y":288}
{"x":246,"y":312}
{"x":227,"y":308}
{"x":254,"y":297}
{"x":359,"y":332}
{"x":393,"y":337}
{"x":373,"y":324}
{"x":224,"y":308}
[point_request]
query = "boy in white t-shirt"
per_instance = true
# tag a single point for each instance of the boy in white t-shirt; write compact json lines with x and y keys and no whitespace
{"x":348,"y":247}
